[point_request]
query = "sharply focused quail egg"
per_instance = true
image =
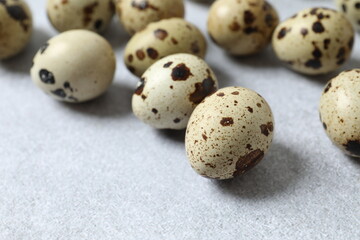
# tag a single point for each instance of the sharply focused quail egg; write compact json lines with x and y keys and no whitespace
{"x":135,"y":15}
{"x":340,"y":111}
{"x":75,"y":66}
{"x":351,"y":8}
{"x":314,"y":41}
{"x":94,"y":15}
{"x":170,"y":90}
{"x":242,"y":27}
{"x":160,"y":39}
{"x":229,"y":133}
{"x":15,"y":27}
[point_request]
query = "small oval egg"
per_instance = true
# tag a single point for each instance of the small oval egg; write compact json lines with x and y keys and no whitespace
{"x":340,"y":111}
{"x":135,"y":15}
{"x":229,"y":133}
{"x":160,"y":39}
{"x":15,"y":27}
{"x":351,"y":9}
{"x":170,"y":90}
{"x":314,"y":41}
{"x":94,"y":15}
{"x":74,"y":66}
{"x":242,"y":27}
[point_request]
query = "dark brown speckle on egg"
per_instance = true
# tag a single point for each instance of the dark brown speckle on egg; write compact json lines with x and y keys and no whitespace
{"x":227,"y":121}
{"x":317,"y":27}
{"x":248,"y":161}
{"x":181,"y":72}
{"x":46,"y":76}
{"x":152,"y":53}
{"x":160,"y":34}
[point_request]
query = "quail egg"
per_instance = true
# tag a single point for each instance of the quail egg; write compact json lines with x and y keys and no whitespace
{"x":135,"y":15}
{"x":170,"y":90}
{"x":229,"y":133}
{"x":314,"y":41}
{"x":15,"y":27}
{"x":160,"y":39}
{"x":75,"y":66}
{"x":340,"y":111}
{"x":351,"y":9}
{"x":242,"y":27}
{"x":94,"y":15}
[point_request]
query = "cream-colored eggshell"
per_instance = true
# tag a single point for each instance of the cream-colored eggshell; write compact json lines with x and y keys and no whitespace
{"x":242,"y":27}
{"x":229,"y":133}
{"x":351,"y":9}
{"x":161,"y":39}
{"x":15,"y":27}
{"x":170,"y":90}
{"x":93,"y":15}
{"x":135,"y":15}
{"x":314,"y":41}
{"x":340,"y":111}
{"x":74,"y":66}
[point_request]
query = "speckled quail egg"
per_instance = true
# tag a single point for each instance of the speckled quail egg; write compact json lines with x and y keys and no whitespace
{"x":314,"y":41}
{"x":160,"y":39}
{"x":94,"y":15}
{"x":170,"y":90}
{"x":15,"y":27}
{"x":135,"y":15}
{"x":351,"y":8}
{"x":242,"y":27}
{"x":340,"y":111}
{"x":229,"y":133}
{"x":75,"y":66}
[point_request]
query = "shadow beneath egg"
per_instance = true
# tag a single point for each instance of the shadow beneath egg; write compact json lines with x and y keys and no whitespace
{"x":279,"y":172}
{"x":223,"y":78}
{"x":355,"y":160}
{"x":116,"y":34}
{"x":322,"y":79}
{"x":173,"y":135}
{"x":202,"y":2}
{"x":23,"y":61}
{"x":352,"y":63}
{"x":263,"y":59}
{"x":114,"y":103}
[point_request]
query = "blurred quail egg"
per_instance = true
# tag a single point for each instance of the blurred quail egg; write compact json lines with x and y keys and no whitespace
{"x":170,"y":90}
{"x":340,"y":111}
{"x":160,"y":39}
{"x":135,"y":15}
{"x":75,"y":66}
{"x":351,"y":9}
{"x":94,"y":15}
{"x":229,"y":133}
{"x":15,"y":27}
{"x":314,"y":41}
{"x":242,"y":27}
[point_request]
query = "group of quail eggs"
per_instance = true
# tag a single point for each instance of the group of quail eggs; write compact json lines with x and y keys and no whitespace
{"x":229,"y":130}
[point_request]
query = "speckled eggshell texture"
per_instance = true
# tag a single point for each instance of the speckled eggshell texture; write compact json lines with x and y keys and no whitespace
{"x":314,"y":41}
{"x":135,"y":15}
{"x":351,"y":9}
{"x":93,"y":15}
{"x":74,"y":66}
{"x":229,"y":133}
{"x":15,"y":27}
{"x":161,"y":39}
{"x":340,"y":111}
{"x":170,"y":90}
{"x":242,"y":27}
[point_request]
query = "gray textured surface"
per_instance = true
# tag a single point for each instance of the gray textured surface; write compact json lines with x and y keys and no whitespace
{"x":92,"y":171}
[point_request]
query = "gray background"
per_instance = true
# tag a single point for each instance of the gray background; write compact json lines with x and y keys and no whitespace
{"x":93,"y":171}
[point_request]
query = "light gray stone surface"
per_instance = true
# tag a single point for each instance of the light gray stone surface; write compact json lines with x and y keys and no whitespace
{"x":93,"y":171}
